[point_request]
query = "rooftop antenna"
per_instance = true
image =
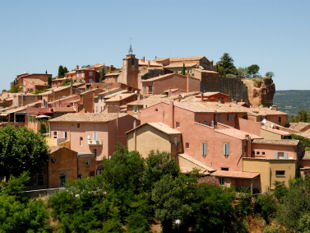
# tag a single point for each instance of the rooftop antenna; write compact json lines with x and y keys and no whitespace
{"x":130,"y":51}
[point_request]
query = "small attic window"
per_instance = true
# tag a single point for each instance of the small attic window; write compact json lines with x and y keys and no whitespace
{"x":156,"y":109}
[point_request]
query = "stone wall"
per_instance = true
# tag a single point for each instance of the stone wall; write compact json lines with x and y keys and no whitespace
{"x":234,"y":87}
{"x":256,"y":91}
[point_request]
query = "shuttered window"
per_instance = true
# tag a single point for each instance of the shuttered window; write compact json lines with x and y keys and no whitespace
{"x":204,"y":149}
{"x":226,"y":149}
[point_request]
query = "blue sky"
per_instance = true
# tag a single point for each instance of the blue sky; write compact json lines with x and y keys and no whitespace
{"x":40,"y":35}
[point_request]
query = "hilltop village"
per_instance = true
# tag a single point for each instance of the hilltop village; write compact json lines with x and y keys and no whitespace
{"x":216,"y":125}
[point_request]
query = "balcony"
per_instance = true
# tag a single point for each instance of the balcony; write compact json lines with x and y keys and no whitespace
{"x":94,"y":142}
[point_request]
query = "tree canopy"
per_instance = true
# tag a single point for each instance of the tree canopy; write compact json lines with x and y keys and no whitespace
{"x":226,"y":65}
{"x":133,"y":192}
{"x":253,"y":69}
{"x":61,"y":71}
{"x":21,"y":150}
{"x":19,"y":213}
{"x":102,"y":74}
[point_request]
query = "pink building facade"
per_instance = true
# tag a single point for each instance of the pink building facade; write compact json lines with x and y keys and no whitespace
{"x":162,"y":83}
{"x":91,"y":133}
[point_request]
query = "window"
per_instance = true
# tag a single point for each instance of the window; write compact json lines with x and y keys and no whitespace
{"x":187,"y":145}
{"x":62,"y":180}
{"x":66,"y":135}
{"x":257,"y":152}
{"x":78,"y":125}
{"x":178,"y":124}
{"x":150,"y":89}
{"x":135,"y":109}
{"x":221,"y":180}
{"x":81,"y":141}
{"x":280,"y":173}
{"x":156,"y":109}
{"x":95,"y":136}
{"x":225,"y":169}
{"x":205,"y":123}
{"x":232,"y":117}
{"x":253,"y":152}
{"x":90,"y":74}
{"x":87,"y":162}
{"x":263,"y":153}
{"x":279,"y":119}
{"x":55,"y":134}
{"x":226,"y":149}
{"x":144,"y":89}
{"x":227,"y":117}
{"x":280,"y":155}
{"x":219,"y":117}
{"x":95,"y":152}
{"x":204,"y":149}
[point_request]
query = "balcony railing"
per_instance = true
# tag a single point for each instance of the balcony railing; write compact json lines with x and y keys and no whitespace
{"x":94,"y":142}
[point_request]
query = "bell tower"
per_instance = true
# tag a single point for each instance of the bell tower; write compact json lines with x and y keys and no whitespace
{"x":130,"y":70}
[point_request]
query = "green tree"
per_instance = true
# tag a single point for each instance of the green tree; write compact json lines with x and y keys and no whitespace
{"x":215,"y":210}
{"x":183,"y":69}
{"x":16,"y":186}
{"x":21,"y":150}
{"x":124,"y":170}
{"x":67,"y":82}
{"x":266,"y":206}
{"x":18,"y":217}
{"x":157,"y":165}
{"x":15,"y":88}
{"x":301,"y":116}
{"x":43,"y":128}
{"x":101,"y":75}
{"x":269,"y":74}
{"x":253,"y":69}
{"x":226,"y":65}
{"x":19,"y":213}
{"x":49,"y":82}
{"x":61,"y":71}
{"x":170,"y":196}
{"x":295,"y":204}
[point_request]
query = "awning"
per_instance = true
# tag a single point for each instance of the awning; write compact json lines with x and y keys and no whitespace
{"x":235,"y":174}
{"x":43,"y":116}
{"x":187,"y":164}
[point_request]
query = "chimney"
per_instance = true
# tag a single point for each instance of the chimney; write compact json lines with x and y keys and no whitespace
{"x":274,"y":107}
{"x":187,"y":84}
{"x":143,"y":58}
{"x":77,"y":67}
{"x":172,"y":114}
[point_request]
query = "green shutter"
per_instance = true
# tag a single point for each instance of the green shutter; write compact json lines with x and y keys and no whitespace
{"x":276,"y":155}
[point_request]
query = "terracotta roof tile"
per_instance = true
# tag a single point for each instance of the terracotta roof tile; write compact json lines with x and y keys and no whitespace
{"x":285,"y":142}
{"x":88,"y":117}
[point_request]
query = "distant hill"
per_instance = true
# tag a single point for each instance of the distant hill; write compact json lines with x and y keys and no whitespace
{"x":292,"y":100}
